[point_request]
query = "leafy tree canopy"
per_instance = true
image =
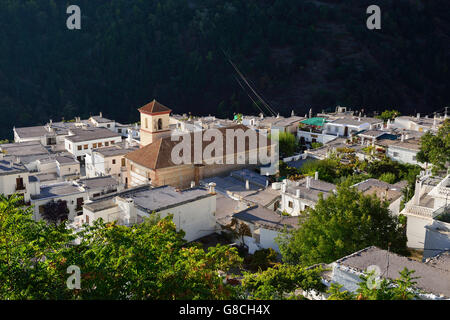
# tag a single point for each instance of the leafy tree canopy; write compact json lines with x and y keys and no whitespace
{"x":435,"y":149}
{"x":339,"y":225}
{"x":281,"y":281}
{"x":147,"y":261}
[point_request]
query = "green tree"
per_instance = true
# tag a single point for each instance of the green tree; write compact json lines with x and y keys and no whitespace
{"x":339,"y":225}
{"x":288,"y":144}
{"x":147,"y":261}
{"x":435,"y":149}
{"x":389,"y":115}
{"x":281,"y":281}
{"x":29,"y":253}
{"x":388,"y":177}
{"x":55,"y":211}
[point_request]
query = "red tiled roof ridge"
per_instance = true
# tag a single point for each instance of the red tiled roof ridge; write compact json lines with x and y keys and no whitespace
{"x":154,"y":106}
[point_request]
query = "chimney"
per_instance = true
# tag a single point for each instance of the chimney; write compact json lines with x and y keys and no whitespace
{"x":308,"y":182}
{"x":247,"y":185}
{"x":101,"y":114}
{"x":278,"y":115}
{"x":403,"y":137}
{"x":10,"y":163}
{"x":316,"y":175}
{"x":418,"y":116}
{"x":212,"y":189}
{"x":283,"y":187}
{"x":192,"y":184}
{"x":297,"y":193}
{"x":51,"y":121}
{"x":292,"y":113}
{"x":261,"y":116}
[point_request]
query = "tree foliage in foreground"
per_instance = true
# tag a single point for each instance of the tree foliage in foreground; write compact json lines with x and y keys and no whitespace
{"x":400,"y":288}
{"x":148,"y":261}
{"x":435,"y":149}
{"x":342,"y":224}
{"x":281,"y":281}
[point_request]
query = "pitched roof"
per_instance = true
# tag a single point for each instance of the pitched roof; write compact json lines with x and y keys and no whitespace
{"x":434,"y":276}
{"x":88,"y":134}
{"x":158,"y":154}
{"x":153,"y":107}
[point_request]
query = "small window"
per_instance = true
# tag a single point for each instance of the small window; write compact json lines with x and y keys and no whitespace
{"x":86,"y":146}
{"x":94,"y":145}
{"x":119,"y":130}
{"x":106,"y":143}
{"x":113,"y":161}
{"x":79,"y":147}
{"x":414,"y":158}
{"x":290,"y":204}
{"x":112,"y":142}
{"x":395,"y":154}
{"x":123,"y":162}
{"x":100,"y":144}
{"x":108,"y":125}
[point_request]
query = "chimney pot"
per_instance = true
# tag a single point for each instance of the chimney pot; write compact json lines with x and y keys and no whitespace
{"x":316,"y":175}
{"x":212,"y":188}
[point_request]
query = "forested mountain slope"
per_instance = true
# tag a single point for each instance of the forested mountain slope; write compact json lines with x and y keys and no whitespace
{"x":297,"y":54}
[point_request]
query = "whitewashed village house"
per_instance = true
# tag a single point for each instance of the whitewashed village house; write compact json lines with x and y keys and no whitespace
{"x":193,"y":209}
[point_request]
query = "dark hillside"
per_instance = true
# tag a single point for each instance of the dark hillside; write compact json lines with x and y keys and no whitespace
{"x":298,"y":54}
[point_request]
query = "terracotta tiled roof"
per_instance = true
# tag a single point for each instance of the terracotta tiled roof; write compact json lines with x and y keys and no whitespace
{"x":158,"y":154}
{"x":153,"y":107}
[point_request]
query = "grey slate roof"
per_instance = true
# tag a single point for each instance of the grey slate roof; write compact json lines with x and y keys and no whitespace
{"x":261,"y":216}
{"x":31,"y":132}
{"x":115,"y":150}
{"x":28,"y":148}
{"x":434,"y":277}
{"x":98,"y":182}
{"x":101,"y":119}
{"x":57,"y":190}
{"x":155,"y":199}
{"x":88,"y":134}
{"x":8,"y":167}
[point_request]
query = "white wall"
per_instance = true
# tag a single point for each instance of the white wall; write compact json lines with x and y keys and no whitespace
{"x":196,"y":218}
{"x":402,"y":155}
{"x":72,"y":147}
{"x":8,"y":184}
{"x":71,"y":204}
{"x":437,"y":236}
{"x":298,"y":204}
{"x":415,"y":231}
